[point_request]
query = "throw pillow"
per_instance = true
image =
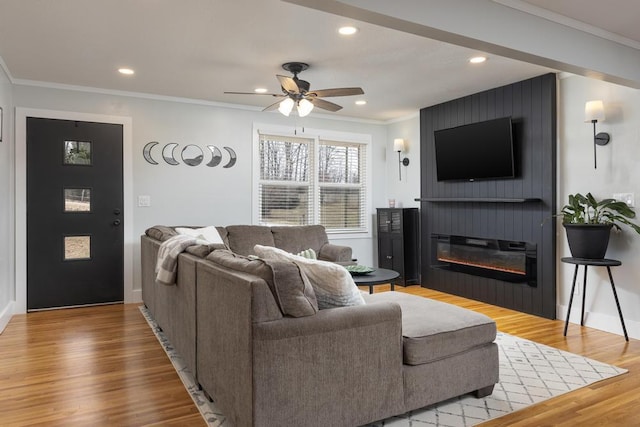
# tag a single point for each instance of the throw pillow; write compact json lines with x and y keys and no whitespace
{"x":308,"y":254}
{"x":332,"y":283}
{"x":210,"y":233}
{"x":293,"y":294}
{"x":160,"y":232}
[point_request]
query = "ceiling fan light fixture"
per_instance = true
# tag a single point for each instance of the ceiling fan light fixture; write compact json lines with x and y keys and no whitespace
{"x":361,"y":102}
{"x":286,"y":106}
{"x":304,"y":107}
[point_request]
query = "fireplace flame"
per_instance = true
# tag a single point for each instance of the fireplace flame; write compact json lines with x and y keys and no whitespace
{"x":479,"y":265}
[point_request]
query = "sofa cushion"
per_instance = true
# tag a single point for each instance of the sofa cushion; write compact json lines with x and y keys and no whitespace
{"x":294,"y":239}
{"x":332,"y":283}
{"x":201,"y":251}
{"x":294,"y":295}
{"x":160,"y":232}
{"x":432,"y":330}
{"x":242,"y":238}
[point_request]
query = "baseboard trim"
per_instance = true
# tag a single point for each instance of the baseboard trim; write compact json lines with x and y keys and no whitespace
{"x":5,"y":316}
{"x":602,"y":322}
{"x":136,"y":296}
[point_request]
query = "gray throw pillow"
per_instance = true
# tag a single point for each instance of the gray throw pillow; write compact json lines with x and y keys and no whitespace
{"x":332,"y":283}
{"x":293,"y":294}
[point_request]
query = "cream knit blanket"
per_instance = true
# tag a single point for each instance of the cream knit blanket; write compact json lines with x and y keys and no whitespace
{"x":167,"y":262}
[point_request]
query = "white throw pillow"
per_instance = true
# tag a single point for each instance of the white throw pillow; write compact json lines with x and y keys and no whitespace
{"x":332,"y":283}
{"x":210,"y":233}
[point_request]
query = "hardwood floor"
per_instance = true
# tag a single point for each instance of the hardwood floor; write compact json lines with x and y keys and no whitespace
{"x":103,"y":366}
{"x":92,"y":366}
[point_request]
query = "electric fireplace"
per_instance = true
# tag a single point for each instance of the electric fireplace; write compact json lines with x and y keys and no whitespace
{"x":506,"y":260}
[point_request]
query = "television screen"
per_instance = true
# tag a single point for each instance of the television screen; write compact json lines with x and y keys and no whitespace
{"x":482,"y":150}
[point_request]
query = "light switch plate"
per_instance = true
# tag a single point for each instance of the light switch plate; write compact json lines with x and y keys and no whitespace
{"x":144,"y":201}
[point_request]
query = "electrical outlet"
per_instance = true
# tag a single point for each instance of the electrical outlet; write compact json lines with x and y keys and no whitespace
{"x":144,"y":201}
{"x":628,"y":198}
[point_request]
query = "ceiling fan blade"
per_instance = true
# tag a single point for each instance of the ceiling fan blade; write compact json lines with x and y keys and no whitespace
{"x":274,"y":106}
{"x":252,"y":93}
{"x":326,"y":105}
{"x":288,"y":84}
{"x":342,"y":91}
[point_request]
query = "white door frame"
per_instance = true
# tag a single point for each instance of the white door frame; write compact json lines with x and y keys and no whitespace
{"x":21,"y":195}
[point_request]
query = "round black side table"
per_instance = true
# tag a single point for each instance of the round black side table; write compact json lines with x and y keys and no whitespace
{"x":378,"y":277}
{"x":597,"y":263}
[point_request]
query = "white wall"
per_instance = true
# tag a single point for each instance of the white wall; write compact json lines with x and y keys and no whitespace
{"x":618,"y":172}
{"x":6,"y":206}
{"x":200,"y":195}
{"x":404,"y":191}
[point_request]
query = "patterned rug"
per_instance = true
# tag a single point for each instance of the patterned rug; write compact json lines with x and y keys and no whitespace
{"x":529,"y":373}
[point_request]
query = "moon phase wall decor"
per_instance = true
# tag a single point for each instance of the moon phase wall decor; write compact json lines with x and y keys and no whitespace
{"x":167,"y":154}
{"x":232,"y":157}
{"x":192,"y":155}
{"x":146,"y":152}
{"x":216,"y":156}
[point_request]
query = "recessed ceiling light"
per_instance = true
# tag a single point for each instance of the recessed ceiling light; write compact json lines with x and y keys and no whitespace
{"x":260,"y":90}
{"x":478,"y":59}
{"x":348,"y":30}
{"x":127,"y":71}
{"x":361,"y":102}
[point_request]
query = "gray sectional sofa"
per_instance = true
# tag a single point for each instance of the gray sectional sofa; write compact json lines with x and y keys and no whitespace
{"x":345,"y":366}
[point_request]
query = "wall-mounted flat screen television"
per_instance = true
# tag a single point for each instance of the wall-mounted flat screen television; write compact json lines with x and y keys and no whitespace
{"x":482,"y":150}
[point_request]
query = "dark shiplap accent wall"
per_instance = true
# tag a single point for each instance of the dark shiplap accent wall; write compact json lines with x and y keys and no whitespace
{"x":532,"y":107}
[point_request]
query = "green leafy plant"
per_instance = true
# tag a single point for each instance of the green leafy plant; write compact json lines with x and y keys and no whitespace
{"x":587,"y":210}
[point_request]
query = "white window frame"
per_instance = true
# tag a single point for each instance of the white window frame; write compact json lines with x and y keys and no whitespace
{"x":316,"y":135}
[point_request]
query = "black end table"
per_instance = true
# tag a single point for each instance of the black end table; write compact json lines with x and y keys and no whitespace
{"x":598,"y":263}
{"x":377,"y":277}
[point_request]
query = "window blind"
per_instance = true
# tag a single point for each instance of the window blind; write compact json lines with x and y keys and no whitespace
{"x":341,"y":179}
{"x":312,"y":181}
{"x":285,"y":186}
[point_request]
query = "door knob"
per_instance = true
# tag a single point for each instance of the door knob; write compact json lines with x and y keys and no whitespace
{"x":116,"y":211}
{"x":116,"y":222}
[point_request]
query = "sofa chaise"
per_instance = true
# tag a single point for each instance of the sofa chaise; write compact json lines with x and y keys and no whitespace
{"x":344,"y":366}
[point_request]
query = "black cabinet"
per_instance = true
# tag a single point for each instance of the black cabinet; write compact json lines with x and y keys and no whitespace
{"x":398,"y":248}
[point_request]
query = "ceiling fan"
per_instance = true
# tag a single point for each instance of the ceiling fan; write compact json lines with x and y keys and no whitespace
{"x":296,"y":92}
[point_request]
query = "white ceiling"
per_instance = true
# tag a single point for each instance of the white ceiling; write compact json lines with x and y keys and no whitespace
{"x":200,"y":48}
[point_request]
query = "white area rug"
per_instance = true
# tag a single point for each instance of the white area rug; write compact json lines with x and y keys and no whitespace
{"x":529,"y":373}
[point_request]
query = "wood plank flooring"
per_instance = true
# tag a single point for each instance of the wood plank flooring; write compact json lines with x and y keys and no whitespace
{"x":103,"y":366}
{"x":93,"y":366}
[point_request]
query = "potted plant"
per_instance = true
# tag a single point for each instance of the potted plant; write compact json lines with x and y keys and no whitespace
{"x":588,"y":223}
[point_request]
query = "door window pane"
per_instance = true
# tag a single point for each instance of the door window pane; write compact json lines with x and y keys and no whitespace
{"x":77,"y":153}
{"x":77,"y":247}
{"x":77,"y":200}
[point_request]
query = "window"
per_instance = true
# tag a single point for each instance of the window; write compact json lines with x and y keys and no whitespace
{"x":313,"y":180}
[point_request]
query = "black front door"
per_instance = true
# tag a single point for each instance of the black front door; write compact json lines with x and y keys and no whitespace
{"x":74,"y":213}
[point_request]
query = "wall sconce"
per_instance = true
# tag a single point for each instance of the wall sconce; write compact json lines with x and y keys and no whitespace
{"x":398,"y":145}
{"x":594,"y":111}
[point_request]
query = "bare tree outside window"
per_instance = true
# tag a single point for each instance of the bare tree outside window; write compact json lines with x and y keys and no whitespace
{"x":284,"y":189}
{"x":296,"y":190}
{"x":77,"y":153}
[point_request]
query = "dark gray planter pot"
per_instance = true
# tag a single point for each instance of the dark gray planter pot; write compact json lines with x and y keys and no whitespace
{"x":588,"y":240}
